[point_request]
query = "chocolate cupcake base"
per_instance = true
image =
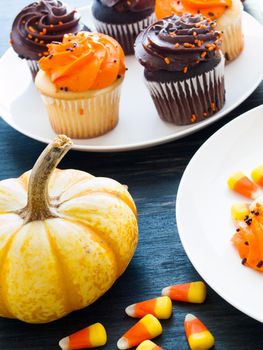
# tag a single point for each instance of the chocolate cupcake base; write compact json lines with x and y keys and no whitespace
{"x":191,"y":100}
{"x":126,"y":33}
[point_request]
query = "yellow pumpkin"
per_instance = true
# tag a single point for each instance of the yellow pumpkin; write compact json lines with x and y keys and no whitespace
{"x":65,"y":237}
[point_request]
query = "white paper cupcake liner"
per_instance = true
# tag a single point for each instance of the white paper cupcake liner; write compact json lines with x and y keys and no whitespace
{"x":85,"y":118}
{"x":233,"y":39}
{"x":125,"y":34}
{"x":34,"y":68}
{"x":191,"y":100}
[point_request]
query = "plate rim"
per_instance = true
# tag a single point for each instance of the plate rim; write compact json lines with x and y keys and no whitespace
{"x":179,"y":224}
{"x":7,"y":117}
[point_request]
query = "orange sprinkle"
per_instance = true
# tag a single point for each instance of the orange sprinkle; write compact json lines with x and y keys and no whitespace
{"x":29,"y":36}
{"x":39,"y":54}
{"x":198,"y":42}
{"x":203,"y":54}
{"x":213,"y":106}
{"x":188,"y":45}
{"x":31,"y":29}
{"x":46,"y":53}
{"x":41,"y":42}
{"x":205,"y":114}
{"x":197,"y":25}
{"x":36,"y":40}
{"x":44,"y":30}
{"x":81,"y":111}
{"x":11,"y":42}
{"x":36,"y":23}
{"x":185,"y":69}
{"x":194,"y":34}
{"x":167,"y":60}
{"x":23,"y":22}
{"x":193,"y":119}
{"x":177,"y":45}
{"x":60,"y":23}
{"x":51,"y":25}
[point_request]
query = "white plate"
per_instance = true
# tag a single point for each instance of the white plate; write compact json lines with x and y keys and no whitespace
{"x":203,"y":211}
{"x":139,"y":126}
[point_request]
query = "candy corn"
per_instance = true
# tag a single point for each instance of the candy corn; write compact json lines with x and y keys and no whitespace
{"x":147,"y":328}
{"x":159,"y":307}
{"x":257,"y":175}
{"x":148,"y":345}
{"x":89,"y":337}
{"x":241,"y":184}
{"x":239,"y":211}
{"x":194,"y":292}
{"x":198,"y":336}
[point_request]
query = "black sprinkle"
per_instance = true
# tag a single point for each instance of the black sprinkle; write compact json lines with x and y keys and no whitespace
{"x":211,"y":14}
{"x":246,"y":243}
{"x":243,"y":261}
{"x":118,"y":76}
{"x":256,"y":213}
{"x":66,"y":88}
{"x":238,"y":229}
{"x":50,"y":56}
{"x":248,"y":221}
{"x":69,"y":49}
{"x":260,"y":264}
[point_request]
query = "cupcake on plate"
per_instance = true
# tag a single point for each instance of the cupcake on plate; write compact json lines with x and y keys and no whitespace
{"x":80,"y":82}
{"x":227,"y":13}
{"x":37,"y":25}
{"x":184,"y":67}
{"x":123,"y":19}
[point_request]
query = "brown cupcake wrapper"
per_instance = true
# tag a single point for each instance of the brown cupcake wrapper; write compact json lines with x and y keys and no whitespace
{"x":84,"y":118}
{"x":125,"y":34}
{"x":34,"y":68}
{"x":233,"y":39}
{"x":191,"y":100}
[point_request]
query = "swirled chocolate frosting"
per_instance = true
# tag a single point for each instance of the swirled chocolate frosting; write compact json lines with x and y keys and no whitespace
{"x":40,"y":23}
{"x":129,"y":5}
{"x":177,"y":43}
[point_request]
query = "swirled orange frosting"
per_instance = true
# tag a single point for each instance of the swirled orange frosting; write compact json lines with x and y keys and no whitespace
{"x":209,"y":8}
{"x":85,"y":61}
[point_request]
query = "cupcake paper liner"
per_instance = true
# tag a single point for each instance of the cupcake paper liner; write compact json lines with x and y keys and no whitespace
{"x":125,"y":34}
{"x":84,"y":118}
{"x":233,"y":39}
{"x":191,"y":100}
{"x":34,"y":68}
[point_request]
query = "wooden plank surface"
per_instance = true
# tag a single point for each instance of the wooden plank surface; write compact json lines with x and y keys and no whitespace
{"x":153,"y":176}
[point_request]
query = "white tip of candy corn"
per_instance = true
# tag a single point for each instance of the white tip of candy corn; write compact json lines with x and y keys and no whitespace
{"x":189,"y":317}
{"x":122,"y":344}
{"x":130,"y":310}
{"x":165,"y":291}
{"x":64,"y":343}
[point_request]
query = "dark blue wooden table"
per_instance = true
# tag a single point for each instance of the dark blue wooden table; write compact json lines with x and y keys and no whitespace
{"x":153,"y":176}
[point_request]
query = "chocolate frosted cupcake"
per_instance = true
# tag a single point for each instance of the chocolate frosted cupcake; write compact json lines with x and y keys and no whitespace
{"x":37,"y":25}
{"x":184,"y":68}
{"x":123,"y":19}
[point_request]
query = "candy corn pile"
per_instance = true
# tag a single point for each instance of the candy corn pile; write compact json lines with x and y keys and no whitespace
{"x":149,"y":326}
{"x":248,"y":217}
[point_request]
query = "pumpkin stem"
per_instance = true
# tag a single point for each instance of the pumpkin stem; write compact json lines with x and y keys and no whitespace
{"x":38,"y":203}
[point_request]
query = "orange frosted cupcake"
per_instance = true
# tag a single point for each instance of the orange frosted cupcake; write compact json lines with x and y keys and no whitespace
{"x":227,"y":13}
{"x":80,"y":82}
